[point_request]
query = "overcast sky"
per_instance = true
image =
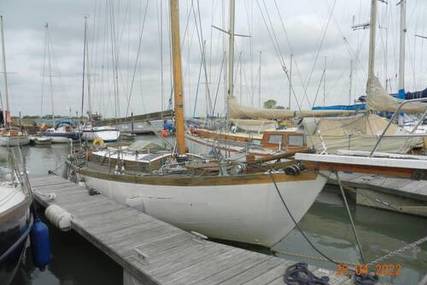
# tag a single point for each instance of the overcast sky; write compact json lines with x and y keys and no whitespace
{"x":314,"y":31}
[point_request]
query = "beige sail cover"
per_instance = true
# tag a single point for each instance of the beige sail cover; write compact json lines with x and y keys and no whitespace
{"x":358,"y":132}
{"x":379,"y":100}
{"x":236,"y":111}
{"x":258,"y":126}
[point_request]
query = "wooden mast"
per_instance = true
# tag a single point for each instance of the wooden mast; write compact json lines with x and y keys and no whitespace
{"x":177,"y":78}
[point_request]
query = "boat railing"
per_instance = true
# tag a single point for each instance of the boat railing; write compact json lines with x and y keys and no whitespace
{"x":395,"y":114}
{"x":19,"y":171}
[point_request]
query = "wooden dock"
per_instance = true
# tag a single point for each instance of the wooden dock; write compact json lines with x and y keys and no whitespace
{"x":395,"y":194}
{"x":153,"y":252}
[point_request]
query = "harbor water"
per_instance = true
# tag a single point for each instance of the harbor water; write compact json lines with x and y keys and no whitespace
{"x":75,"y":261}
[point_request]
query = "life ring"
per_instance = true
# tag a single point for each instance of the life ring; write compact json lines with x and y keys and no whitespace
{"x":98,"y":142}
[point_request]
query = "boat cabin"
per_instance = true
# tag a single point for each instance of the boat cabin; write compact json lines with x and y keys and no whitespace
{"x":289,"y":140}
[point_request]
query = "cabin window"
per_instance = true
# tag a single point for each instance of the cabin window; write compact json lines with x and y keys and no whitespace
{"x":275,"y":139}
{"x":296,"y":140}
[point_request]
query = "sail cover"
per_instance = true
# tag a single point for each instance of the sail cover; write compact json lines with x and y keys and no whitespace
{"x":379,"y":100}
{"x":236,"y":111}
{"x":359,"y":132}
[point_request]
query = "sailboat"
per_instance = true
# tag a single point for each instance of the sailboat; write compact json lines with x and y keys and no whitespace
{"x":238,"y":204}
{"x":90,"y":132}
{"x":9,"y":136}
{"x":62,"y":130}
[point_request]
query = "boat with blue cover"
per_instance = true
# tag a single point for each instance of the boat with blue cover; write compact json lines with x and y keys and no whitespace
{"x":63,"y":132}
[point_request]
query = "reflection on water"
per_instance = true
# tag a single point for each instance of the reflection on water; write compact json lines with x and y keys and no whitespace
{"x":77,"y":262}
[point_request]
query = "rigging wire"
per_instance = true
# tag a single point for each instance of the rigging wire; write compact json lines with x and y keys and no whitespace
{"x":199,"y":30}
{"x":296,"y":223}
{"x":322,"y":40}
{"x":137,"y":59}
{"x":277,"y":49}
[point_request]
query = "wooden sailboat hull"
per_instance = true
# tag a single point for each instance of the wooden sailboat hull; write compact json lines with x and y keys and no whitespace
{"x":245,"y":208}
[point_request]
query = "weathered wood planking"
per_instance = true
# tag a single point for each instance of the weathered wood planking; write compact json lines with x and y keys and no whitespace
{"x":154,"y":252}
{"x":409,"y":188}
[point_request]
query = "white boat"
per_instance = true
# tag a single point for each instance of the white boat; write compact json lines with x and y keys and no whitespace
{"x":239,"y":208}
{"x":12,"y":137}
{"x":105,"y":133}
{"x":42,"y":140}
{"x":62,"y":134}
{"x":9,"y":136}
{"x":240,"y":204}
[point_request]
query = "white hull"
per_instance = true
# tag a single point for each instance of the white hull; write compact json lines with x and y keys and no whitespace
{"x":61,"y":140}
{"x":43,"y":140}
{"x":249,"y":213}
{"x":108,"y":135}
{"x":14,"y":141}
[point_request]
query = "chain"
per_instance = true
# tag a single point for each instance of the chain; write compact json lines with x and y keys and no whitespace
{"x":399,"y":251}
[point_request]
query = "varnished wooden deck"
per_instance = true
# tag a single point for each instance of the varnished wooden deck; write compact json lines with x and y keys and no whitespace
{"x":154,"y":252}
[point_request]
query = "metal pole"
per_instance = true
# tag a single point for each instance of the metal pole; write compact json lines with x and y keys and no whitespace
{"x":353,"y":227}
{"x":240,"y":78}
{"x":259,"y":80}
{"x":396,"y":113}
{"x":230,"y":74}
{"x":89,"y":95}
{"x":6,"y":89}
{"x":372,"y":39}
{"x":324,"y":83}
{"x":290,"y":81}
{"x":83,"y":72}
{"x":402,"y":46}
{"x":351,"y":82}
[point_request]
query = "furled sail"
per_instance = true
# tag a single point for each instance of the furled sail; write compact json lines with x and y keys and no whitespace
{"x":237,"y":111}
{"x":379,"y":100}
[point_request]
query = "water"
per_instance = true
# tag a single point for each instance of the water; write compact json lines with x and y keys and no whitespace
{"x":75,"y":261}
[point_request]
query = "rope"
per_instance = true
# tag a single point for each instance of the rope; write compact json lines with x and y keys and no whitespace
{"x":300,"y":274}
{"x":296,"y":223}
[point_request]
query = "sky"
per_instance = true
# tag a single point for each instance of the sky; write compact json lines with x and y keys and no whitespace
{"x":128,"y":53}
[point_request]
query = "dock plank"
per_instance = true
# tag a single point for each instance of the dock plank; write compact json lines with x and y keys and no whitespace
{"x":152,"y":251}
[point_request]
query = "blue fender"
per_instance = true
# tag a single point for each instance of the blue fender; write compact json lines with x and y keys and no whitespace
{"x":40,"y":244}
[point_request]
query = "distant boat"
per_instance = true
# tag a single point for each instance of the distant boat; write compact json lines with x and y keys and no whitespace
{"x":42,"y":140}
{"x":105,"y":133}
{"x":9,"y":136}
{"x":13,"y":137}
{"x":63,"y":133}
